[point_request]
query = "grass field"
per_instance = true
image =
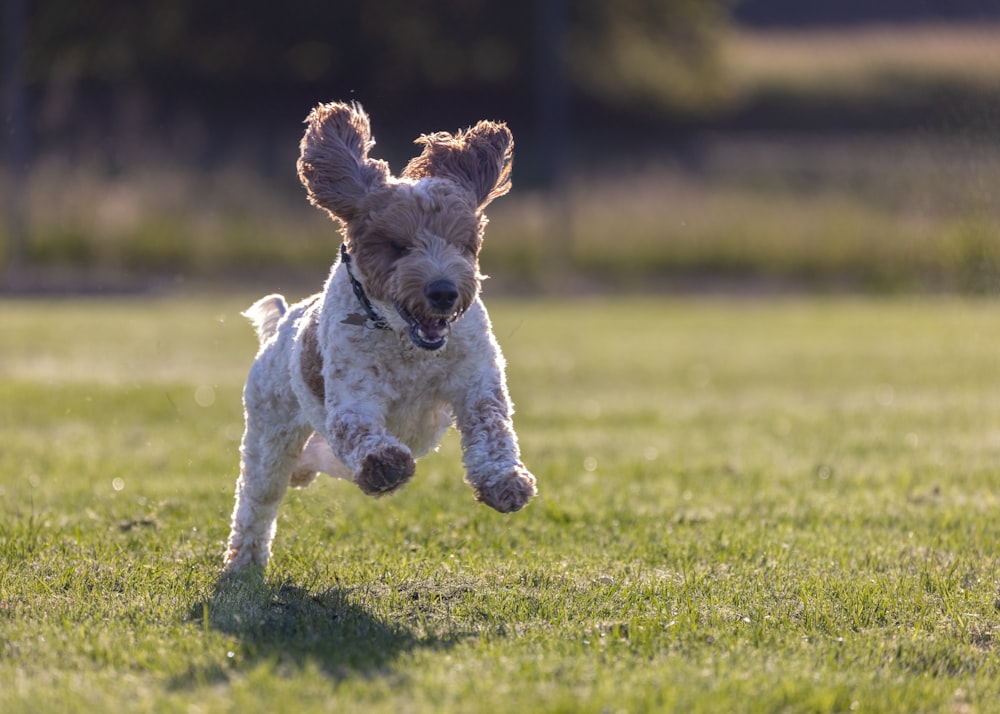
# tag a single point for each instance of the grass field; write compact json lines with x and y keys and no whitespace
{"x":758,"y":506}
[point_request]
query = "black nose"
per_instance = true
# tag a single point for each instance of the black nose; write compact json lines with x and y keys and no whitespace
{"x":442,"y":295}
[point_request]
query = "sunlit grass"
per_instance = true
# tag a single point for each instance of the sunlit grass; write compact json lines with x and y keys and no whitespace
{"x":745,"y":506}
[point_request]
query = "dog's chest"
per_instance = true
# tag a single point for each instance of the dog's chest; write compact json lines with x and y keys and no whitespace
{"x":417,"y":384}
{"x":418,"y":409}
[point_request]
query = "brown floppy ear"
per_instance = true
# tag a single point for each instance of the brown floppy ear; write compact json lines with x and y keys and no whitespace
{"x":333,"y":163}
{"x":478,"y":159}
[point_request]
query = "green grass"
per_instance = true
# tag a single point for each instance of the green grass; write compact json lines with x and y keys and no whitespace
{"x":754,"y":506}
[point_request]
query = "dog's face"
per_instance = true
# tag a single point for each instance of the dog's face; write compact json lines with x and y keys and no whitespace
{"x":414,"y":240}
{"x":416,"y":249}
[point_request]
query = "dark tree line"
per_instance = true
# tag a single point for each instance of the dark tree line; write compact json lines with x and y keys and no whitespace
{"x":399,"y":55}
{"x":795,"y":13}
{"x":108,"y":82}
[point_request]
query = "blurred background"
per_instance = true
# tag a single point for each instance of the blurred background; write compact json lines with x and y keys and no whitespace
{"x":662,"y":145}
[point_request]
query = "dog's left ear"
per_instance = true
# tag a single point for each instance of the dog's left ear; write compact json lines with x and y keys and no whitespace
{"x":478,"y":159}
{"x":333,"y":164}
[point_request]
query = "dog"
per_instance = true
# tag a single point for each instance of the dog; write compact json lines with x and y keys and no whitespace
{"x":364,"y":377}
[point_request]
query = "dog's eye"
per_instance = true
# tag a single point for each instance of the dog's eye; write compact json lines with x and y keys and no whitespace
{"x":398,"y":248}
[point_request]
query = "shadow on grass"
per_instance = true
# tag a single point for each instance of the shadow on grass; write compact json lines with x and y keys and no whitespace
{"x":291,"y":627}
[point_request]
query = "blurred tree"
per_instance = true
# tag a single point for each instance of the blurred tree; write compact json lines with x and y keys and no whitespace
{"x":657,"y":53}
{"x":208,"y":81}
{"x":15,"y":134}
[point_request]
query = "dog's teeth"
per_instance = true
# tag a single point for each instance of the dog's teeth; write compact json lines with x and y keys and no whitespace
{"x":431,"y":332}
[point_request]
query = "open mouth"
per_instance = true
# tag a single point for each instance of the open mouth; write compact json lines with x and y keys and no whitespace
{"x":428,"y":333}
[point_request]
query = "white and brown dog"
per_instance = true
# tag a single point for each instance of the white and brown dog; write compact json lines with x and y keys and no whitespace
{"x":364,"y":377}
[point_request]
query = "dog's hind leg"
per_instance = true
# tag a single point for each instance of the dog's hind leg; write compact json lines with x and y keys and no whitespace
{"x":265,"y":469}
{"x":317,"y":456}
{"x":271,"y":446}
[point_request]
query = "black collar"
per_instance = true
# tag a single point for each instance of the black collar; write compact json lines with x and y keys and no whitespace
{"x":375,"y":321}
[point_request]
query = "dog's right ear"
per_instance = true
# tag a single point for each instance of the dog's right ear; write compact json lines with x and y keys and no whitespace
{"x":478,"y":158}
{"x":333,"y":162}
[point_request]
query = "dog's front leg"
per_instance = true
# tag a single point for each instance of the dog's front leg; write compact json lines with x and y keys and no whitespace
{"x":380,"y":462}
{"x":489,"y":448}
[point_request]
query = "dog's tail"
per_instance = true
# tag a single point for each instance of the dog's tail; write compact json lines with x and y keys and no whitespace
{"x":265,"y":315}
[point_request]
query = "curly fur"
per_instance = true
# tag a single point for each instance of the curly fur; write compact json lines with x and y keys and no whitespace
{"x":330,"y":393}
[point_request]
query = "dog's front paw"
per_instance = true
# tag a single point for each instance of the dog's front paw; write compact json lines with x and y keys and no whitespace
{"x":508,"y":493}
{"x":385,"y":470}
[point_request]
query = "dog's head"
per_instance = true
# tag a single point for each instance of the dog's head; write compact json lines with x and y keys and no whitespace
{"x":414,"y":240}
